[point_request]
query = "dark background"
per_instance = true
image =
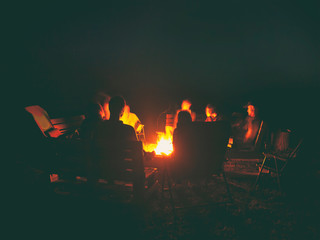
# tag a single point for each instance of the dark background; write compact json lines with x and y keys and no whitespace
{"x":157,"y":53}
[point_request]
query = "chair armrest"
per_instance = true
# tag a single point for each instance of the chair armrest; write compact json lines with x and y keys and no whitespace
{"x":271,"y":155}
{"x":149,"y":171}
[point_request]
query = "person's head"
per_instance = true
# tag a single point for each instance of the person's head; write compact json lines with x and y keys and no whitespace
{"x":210,"y":111}
{"x":184,"y":118}
{"x":95,"y":112}
{"x":116,"y":107}
{"x":186,"y":104}
{"x":251,"y":110}
{"x":103,"y":99}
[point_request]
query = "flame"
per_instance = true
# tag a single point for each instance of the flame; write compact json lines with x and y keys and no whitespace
{"x":163,"y":146}
{"x":149,"y":147}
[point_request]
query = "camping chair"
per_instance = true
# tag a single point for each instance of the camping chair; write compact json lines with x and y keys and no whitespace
{"x":58,"y":127}
{"x":42,"y":119}
{"x":254,"y":151}
{"x":200,"y":154}
{"x":141,"y":135}
{"x":245,"y":160}
{"x":275,"y":162}
{"x":120,"y":171}
{"x":59,"y":138}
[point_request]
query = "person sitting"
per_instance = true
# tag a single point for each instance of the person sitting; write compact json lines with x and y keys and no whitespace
{"x":130,"y":118}
{"x":252,"y":123}
{"x":114,"y":132}
{"x":181,"y":139}
{"x":114,"y":128}
{"x":211,"y":114}
{"x":185,"y":106}
{"x":93,"y":116}
{"x":103,"y":99}
{"x":184,"y":121}
{"x":95,"y":113}
{"x":247,"y":129}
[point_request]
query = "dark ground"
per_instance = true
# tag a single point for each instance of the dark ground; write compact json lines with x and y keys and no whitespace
{"x":38,"y":211}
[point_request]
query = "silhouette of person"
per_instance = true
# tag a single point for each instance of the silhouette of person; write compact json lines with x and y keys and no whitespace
{"x":185,"y":106}
{"x":114,"y":133}
{"x":182,"y":145}
{"x":95,"y":113}
{"x":114,"y":128}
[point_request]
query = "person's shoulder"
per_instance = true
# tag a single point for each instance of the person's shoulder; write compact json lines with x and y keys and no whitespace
{"x":103,"y":123}
{"x":134,"y":116}
{"x":128,"y":132}
{"x":127,"y":127}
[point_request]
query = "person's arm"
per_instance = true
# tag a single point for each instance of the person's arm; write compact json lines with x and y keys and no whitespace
{"x":132,"y":134}
{"x":193,"y":116}
{"x":137,"y":123}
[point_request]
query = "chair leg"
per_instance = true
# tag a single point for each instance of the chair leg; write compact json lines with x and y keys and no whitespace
{"x":163,"y":179}
{"x":166,"y":178}
{"x":227,"y":187}
{"x":261,"y":168}
{"x":277,"y":172}
{"x":169,"y":185}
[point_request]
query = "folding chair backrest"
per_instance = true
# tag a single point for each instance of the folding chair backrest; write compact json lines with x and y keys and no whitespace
{"x":41,"y":117}
{"x":282,"y":140}
{"x":292,"y":154}
{"x":260,"y":135}
{"x":120,"y":162}
{"x":202,"y":150}
{"x":296,"y":149}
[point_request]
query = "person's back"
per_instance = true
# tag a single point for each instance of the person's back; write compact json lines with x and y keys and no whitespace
{"x":114,"y":131}
{"x":111,"y":134}
{"x":200,"y":148}
{"x":185,"y":106}
{"x":183,"y":146}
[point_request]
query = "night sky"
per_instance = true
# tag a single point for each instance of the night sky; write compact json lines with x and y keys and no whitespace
{"x":156,"y":53}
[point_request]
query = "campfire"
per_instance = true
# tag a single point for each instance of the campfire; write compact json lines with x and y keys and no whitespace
{"x":163,"y":146}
